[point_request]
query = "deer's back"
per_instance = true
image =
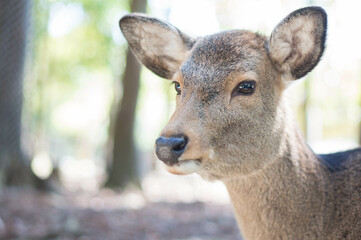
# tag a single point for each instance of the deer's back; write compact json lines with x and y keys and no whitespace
{"x":344,"y":187}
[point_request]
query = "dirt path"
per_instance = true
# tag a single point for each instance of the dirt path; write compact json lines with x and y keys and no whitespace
{"x":33,"y":215}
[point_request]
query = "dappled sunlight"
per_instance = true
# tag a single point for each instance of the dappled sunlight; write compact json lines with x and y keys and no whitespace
{"x":42,"y":165}
{"x":64,"y":17}
{"x":80,"y":174}
{"x":154,"y":108}
{"x":163,"y":186}
{"x":86,"y":110}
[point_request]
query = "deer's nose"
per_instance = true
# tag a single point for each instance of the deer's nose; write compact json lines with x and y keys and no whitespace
{"x":169,"y":149}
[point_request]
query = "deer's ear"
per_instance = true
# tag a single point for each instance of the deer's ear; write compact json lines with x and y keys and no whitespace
{"x":298,"y":41}
{"x":158,"y":45}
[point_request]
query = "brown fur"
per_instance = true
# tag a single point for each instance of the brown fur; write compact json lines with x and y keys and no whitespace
{"x":280,"y":189}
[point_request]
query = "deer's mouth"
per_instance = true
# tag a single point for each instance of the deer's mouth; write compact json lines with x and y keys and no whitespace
{"x":185,"y":167}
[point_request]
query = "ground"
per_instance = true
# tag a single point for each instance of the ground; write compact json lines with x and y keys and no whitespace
{"x":26,"y":214}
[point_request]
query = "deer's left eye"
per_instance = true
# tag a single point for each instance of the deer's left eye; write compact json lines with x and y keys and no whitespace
{"x":245,"y":88}
{"x":177,"y":87}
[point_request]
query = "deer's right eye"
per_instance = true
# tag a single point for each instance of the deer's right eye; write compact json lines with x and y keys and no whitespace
{"x":177,"y":87}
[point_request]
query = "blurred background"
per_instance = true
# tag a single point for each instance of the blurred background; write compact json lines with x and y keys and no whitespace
{"x":79,"y":116}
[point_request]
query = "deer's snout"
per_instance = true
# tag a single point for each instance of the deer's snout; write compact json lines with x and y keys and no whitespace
{"x":169,"y":149}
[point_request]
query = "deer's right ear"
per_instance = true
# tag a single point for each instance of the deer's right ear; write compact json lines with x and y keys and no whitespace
{"x":158,"y":45}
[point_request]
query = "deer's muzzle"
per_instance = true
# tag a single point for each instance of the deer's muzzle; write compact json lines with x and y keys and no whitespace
{"x":169,"y":149}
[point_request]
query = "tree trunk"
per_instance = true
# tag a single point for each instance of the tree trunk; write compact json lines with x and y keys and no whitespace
{"x":14,"y":25}
{"x":123,"y":168}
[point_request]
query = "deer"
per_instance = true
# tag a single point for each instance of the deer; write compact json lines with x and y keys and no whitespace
{"x":232,"y":123}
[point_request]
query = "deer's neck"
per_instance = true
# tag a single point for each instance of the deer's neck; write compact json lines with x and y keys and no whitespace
{"x":283,"y":200}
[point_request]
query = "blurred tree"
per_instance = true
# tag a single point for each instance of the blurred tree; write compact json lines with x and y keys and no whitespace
{"x":123,"y":167}
{"x":14,"y":25}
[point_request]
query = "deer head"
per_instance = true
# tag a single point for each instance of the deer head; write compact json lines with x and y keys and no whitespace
{"x":230,"y":115}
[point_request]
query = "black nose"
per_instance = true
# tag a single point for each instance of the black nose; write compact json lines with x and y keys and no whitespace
{"x":169,"y":149}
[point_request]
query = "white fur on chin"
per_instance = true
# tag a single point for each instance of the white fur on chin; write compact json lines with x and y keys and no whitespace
{"x":184,"y":167}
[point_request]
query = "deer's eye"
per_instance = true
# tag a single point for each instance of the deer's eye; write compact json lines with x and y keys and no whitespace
{"x":245,"y":88}
{"x":177,"y":87}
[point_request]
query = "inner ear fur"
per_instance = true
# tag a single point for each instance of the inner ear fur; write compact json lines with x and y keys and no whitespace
{"x":160,"y":46}
{"x":298,"y":41}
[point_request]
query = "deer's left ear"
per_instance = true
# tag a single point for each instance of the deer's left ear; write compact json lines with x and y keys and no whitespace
{"x":298,"y":41}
